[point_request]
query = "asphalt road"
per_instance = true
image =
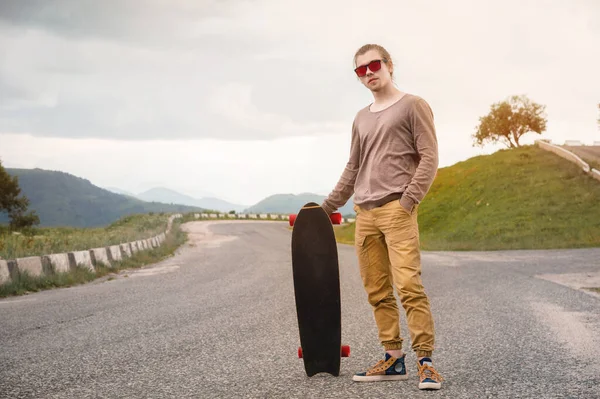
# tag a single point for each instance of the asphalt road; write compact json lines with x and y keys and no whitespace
{"x":218,"y":320}
{"x":588,"y":153}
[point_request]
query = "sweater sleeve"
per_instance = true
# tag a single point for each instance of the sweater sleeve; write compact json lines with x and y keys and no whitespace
{"x":345,"y":186}
{"x":427,"y":148}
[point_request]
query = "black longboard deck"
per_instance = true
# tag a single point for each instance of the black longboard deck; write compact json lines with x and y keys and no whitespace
{"x":317,"y":290}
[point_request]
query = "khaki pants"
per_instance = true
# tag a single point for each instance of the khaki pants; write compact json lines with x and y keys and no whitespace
{"x":387,"y":245}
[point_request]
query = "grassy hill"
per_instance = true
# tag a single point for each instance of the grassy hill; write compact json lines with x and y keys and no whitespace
{"x":512,"y":199}
{"x":291,"y":203}
{"x":61,"y":199}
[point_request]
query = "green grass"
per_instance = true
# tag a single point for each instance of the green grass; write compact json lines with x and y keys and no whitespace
{"x":524,"y":198}
{"x":23,"y":283}
{"x":344,"y":234}
{"x":44,"y":241}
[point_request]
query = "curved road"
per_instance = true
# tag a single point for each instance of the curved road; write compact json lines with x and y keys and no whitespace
{"x":218,"y":320}
{"x":587,"y":153}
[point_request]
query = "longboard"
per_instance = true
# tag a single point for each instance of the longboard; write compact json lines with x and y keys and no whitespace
{"x":317,"y":290}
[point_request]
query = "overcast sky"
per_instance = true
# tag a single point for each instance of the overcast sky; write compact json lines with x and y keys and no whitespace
{"x":244,"y":99}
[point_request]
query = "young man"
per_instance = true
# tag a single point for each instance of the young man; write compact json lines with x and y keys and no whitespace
{"x":393,"y":162}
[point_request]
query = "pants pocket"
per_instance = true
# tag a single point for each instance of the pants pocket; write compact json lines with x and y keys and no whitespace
{"x":361,"y":252}
{"x":397,"y":224}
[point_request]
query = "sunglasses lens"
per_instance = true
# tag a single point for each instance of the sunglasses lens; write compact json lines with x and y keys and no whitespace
{"x":361,"y":71}
{"x":375,"y":66}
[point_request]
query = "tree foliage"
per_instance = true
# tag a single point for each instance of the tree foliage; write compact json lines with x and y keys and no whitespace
{"x":509,"y":120}
{"x":13,"y":204}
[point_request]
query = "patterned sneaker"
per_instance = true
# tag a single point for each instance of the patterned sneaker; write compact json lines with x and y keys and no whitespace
{"x":428,"y":377}
{"x":389,"y":369}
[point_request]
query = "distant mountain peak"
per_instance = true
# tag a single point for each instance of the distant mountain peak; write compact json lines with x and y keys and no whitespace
{"x":170,"y":196}
{"x":291,"y":203}
{"x":61,"y":199}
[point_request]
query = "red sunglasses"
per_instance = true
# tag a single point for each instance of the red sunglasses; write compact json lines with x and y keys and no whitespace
{"x":374,"y":66}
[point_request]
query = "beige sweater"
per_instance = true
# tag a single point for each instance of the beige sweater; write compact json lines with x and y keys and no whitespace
{"x":393,"y":154}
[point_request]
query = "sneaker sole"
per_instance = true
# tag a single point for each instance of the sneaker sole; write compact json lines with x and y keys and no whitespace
{"x":375,"y":378}
{"x":430,"y":385}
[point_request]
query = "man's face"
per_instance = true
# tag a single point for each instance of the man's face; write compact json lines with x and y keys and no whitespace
{"x":373,"y":80}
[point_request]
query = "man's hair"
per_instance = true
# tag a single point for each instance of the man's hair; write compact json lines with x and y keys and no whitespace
{"x":385,"y":55}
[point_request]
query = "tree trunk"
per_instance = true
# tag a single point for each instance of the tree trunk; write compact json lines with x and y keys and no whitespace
{"x":510,"y":143}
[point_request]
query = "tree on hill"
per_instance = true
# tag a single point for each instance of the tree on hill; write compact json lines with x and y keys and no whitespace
{"x":509,"y":120}
{"x":12,"y":204}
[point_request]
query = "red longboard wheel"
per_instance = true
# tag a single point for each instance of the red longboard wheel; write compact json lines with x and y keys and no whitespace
{"x":300,"y":352}
{"x":345,"y":350}
{"x":336,"y":218}
{"x":292,"y":219}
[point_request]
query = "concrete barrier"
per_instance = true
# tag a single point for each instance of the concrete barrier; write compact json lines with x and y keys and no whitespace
{"x":59,"y":262}
{"x":196,"y":216}
{"x":212,"y":215}
{"x":596,"y":143}
{"x":45,"y":264}
{"x":126,"y":249}
{"x":231,"y":215}
{"x":82,"y":258}
{"x":114,"y":253}
{"x":4,"y":273}
{"x":100,"y":255}
{"x":263,"y":216}
{"x":573,"y":142}
{"x":351,"y":220}
{"x":568,"y":155}
{"x":596,"y":174}
{"x":252,"y":216}
{"x":32,"y":265}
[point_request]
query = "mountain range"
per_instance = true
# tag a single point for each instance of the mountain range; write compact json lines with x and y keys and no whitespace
{"x":278,"y":203}
{"x":168,"y":196}
{"x":291,"y":203}
{"x":61,"y":199}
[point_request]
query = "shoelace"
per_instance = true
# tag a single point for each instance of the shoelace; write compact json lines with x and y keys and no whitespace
{"x":374,"y":368}
{"x":427,"y":371}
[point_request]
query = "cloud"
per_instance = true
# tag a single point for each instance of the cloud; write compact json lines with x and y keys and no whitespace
{"x":143,"y":21}
{"x":261,"y":70}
